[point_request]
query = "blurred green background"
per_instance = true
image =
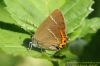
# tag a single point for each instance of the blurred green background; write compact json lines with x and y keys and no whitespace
{"x":18,"y":19}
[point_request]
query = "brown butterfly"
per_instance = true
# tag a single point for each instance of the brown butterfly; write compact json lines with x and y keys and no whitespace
{"x":51,"y":33}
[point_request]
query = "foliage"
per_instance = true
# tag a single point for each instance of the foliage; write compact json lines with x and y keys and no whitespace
{"x":18,"y":18}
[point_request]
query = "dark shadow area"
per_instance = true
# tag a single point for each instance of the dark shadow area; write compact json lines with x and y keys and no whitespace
{"x":26,"y":43}
{"x":59,"y":56}
{"x":96,"y":7}
{"x":55,"y":63}
{"x":91,"y":51}
{"x":12,"y":27}
{"x":2,"y":3}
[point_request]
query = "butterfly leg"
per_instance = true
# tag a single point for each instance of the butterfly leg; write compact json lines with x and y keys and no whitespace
{"x":30,"y":45}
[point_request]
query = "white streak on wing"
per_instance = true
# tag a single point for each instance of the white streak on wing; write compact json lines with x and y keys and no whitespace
{"x":53,"y":19}
{"x":53,"y":34}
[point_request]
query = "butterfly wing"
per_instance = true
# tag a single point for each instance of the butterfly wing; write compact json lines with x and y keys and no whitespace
{"x":48,"y":33}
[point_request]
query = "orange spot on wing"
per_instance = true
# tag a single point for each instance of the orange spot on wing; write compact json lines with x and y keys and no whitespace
{"x":63,"y":40}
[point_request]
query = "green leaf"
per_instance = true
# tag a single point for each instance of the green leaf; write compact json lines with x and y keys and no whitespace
{"x":90,"y":26}
{"x":30,"y":13}
{"x":77,"y":13}
{"x":29,"y":61}
{"x":9,"y":60}
{"x":11,"y":42}
{"x":4,"y":14}
{"x":12,"y":60}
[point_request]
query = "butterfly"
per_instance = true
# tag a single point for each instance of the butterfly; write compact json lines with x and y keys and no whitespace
{"x":51,"y":32}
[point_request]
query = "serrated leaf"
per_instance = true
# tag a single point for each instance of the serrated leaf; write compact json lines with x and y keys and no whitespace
{"x":30,"y":12}
{"x":77,"y":13}
{"x":90,"y":26}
